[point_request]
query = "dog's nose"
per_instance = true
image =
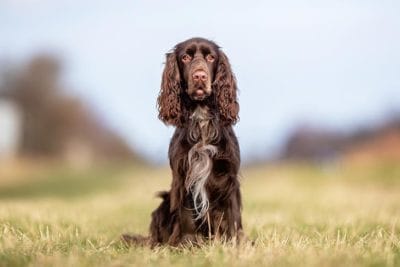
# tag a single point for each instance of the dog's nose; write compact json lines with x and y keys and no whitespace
{"x":200,"y":75}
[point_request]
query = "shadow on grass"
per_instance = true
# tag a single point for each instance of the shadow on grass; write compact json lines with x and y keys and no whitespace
{"x":66,"y":183}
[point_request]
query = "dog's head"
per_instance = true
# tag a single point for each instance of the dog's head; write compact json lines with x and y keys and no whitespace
{"x":198,"y":68}
{"x":197,"y":61}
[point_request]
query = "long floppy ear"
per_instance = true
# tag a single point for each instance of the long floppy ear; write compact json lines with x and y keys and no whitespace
{"x":225,"y":90}
{"x":168,"y":101}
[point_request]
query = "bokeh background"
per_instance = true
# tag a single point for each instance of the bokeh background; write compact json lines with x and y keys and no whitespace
{"x":319,"y":129}
{"x":328,"y":70}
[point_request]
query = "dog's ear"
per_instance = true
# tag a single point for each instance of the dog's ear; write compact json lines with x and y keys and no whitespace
{"x":225,"y":90}
{"x":169,"y":99}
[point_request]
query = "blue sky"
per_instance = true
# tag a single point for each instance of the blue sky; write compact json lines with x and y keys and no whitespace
{"x":331,"y":63}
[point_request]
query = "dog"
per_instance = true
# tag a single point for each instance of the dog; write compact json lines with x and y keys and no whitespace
{"x":198,"y":96}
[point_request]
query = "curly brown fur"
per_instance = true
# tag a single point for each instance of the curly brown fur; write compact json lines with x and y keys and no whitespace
{"x":199,"y":97}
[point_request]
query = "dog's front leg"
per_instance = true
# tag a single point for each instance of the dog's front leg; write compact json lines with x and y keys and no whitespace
{"x":175,"y":237}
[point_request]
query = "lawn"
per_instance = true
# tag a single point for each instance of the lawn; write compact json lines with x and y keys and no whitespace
{"x":297,"y":215}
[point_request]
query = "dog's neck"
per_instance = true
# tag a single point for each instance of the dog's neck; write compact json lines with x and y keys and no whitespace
{"x":202,"y":127}
{"x":201,"y":116}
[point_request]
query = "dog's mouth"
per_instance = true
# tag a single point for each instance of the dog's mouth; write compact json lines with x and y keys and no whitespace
{"x":200,"y":93}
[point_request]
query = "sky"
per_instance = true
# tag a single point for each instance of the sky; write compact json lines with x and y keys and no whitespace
{"x":334,"y":64}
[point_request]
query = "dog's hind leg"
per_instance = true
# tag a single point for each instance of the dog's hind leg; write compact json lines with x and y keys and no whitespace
{"x":136,"y":240}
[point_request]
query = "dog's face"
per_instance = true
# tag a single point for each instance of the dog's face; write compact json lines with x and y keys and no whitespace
{"x":197,"y":68}
{"x":197,"y":59}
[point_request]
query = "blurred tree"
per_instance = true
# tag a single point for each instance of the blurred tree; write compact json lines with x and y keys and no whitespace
{"x":313,"y":144}
{"x":55,"y":124}
{"x":374,"y":143}
{"x":380,"y":143}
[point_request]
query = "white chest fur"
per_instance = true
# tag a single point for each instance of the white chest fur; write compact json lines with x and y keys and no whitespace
{"x":200,"y":159}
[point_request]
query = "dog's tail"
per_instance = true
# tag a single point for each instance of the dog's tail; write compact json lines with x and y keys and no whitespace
{"x":163,"y":194}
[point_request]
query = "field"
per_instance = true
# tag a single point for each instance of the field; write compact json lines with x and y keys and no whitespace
{"x":297,"y":215}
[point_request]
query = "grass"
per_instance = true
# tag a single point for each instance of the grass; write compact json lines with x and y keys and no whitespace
{"x":297,"y":215}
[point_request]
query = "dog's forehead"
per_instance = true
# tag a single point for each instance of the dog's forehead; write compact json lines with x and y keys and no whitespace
{"x":195,"y":44}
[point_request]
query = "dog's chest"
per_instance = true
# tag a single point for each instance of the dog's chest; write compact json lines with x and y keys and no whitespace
{"x":202,"y":133}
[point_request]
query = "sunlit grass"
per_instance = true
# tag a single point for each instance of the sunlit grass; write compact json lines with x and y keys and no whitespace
{"x":297,"y":216}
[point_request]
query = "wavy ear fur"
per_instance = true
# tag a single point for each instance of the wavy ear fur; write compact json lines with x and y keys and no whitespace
{"x":168,"y":102}
{"x":225,"y":90}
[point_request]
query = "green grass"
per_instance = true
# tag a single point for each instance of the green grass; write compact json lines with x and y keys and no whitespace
{"x":297,"y":216}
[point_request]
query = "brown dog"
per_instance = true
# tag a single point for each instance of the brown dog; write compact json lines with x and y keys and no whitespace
{"x":198,"y":97}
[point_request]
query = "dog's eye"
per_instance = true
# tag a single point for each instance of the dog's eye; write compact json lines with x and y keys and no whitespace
{"x":210,"y":58}
{"x":186,"y":58}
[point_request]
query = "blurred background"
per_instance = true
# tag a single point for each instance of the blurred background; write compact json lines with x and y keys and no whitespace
{"x":319,"y":81}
